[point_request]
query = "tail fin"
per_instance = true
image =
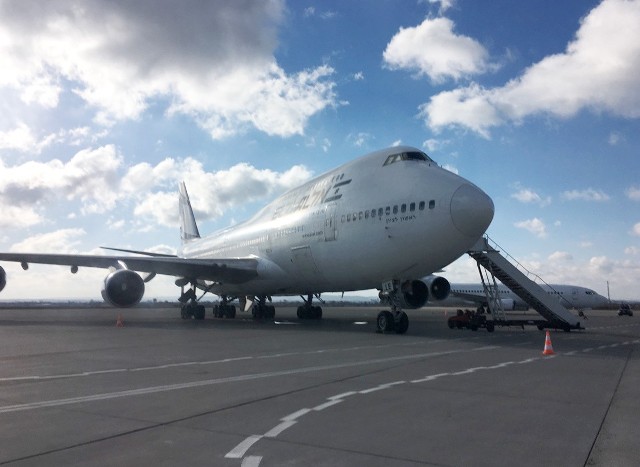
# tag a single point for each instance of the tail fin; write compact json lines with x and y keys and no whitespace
{"x":188,"y":227}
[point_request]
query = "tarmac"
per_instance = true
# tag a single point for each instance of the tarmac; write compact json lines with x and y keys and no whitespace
{"x":75,"y":389}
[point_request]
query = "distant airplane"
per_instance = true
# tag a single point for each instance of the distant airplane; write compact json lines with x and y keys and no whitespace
{"x":382,"y":221}
{"x":571,"y":296}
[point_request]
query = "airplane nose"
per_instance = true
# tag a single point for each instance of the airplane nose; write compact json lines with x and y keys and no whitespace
{"x":471,"y":210}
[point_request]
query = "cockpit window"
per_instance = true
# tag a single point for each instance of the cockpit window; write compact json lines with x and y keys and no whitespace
{"x":407,"y":156}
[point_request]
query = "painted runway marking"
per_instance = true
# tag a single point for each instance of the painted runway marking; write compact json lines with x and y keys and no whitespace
{"x":290,"y":420}
{"x":243,"y":447}
{"x":276,"y":430}
{"x":230,"y":379}
{"x":81,"y":374}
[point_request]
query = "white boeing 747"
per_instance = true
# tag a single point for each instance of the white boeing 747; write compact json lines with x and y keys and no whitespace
{"x":571,"y":296}
{"x":382,"y":221}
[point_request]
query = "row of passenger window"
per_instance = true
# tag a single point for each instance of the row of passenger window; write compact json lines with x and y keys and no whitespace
{"x":379,"y":212}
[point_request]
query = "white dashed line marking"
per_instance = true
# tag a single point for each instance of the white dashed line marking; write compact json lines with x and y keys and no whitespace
{"x":293,"y":418}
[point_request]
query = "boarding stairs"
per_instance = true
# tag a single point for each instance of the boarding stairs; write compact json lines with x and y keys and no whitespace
{"x":499,"y":267}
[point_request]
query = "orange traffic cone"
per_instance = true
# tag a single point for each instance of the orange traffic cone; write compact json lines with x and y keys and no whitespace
{"x":548,"y":348}
{"x":119,"y":321}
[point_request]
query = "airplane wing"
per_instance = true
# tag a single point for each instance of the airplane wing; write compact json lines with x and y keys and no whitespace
{"x":230,"y":270}
{"x":469,"y":297}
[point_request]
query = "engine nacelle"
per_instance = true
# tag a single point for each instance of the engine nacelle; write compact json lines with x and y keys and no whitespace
{"x":123,"y":288}
{"x":3,"y":278}
{"x":508,"y":304}
{"x":413,"y":294}
{"x":439,"y":287}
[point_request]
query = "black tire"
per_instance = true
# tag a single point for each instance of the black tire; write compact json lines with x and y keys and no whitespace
{"x":451,"y":324}
{"x":199,"y":312}
{"x":317,"y":312}
{"x":269,"y":311}
{"x":490,"y":326}
{"x":385,"y":322}
{"x":403,"y":323}
{"x":184,"y":314}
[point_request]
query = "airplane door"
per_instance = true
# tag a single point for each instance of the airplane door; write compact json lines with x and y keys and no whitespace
{"x":330,"y":226}
{"x":303,"y":262}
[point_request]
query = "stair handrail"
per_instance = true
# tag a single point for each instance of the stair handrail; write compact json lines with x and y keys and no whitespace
{"x":536,"y":277}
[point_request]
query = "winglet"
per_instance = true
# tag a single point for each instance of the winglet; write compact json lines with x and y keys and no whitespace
{"x":188,"y":227}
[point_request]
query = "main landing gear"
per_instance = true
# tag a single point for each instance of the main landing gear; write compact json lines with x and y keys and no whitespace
{"x":190,"y":307}
{"x":224,"y":310}
{"x":260,"y":309}
{"x":308,"y":311}
{"x":394,"y":320}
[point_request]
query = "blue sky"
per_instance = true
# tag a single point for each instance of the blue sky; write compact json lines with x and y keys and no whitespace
{"x":106,"y":105}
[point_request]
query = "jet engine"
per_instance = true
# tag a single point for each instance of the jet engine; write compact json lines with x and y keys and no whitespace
{"x":439,"y":287}
{"x":508,"y":304}
{"x":3,"y":278}
{"x":415,"y":293}
{"x":123,"y":288}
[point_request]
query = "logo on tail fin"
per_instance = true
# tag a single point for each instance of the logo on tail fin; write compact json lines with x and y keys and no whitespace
{"x":188,"y":227}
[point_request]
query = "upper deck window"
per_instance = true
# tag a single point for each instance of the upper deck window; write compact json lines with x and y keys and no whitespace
{"x":407,"y":156}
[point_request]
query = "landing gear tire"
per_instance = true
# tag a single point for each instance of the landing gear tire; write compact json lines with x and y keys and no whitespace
{"x":490,"y":326}
{"x":385,"y":322}
{"x":184,"y":313}
{"x":224,"y":311}
{"x":198,"y":312}
{"x":309,"y":312}
{"x":263,"y":312}
{"x":403,"y":323}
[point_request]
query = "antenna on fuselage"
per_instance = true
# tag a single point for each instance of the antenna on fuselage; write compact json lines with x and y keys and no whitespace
{"x":188,"y":227}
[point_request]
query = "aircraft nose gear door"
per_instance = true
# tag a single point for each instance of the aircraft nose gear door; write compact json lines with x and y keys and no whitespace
{"x":330,"y":226}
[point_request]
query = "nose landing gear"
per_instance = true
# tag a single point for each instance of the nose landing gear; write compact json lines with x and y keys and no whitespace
{"x":394,"y":320}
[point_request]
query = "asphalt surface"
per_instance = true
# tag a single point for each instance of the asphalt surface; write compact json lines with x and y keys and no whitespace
{"x":77,"y":390}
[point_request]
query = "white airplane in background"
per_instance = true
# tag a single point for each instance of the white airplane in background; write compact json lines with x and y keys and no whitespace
{"x":382,"y":221}
{"x":571,"y":296}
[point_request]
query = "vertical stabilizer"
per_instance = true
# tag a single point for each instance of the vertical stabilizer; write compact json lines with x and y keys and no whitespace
{"x":188,"y":227}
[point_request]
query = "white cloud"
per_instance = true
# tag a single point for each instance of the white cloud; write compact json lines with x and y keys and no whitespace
{"x":213,"y":61}
{"x":635,"y":231}
{"x":615,"y":138}
{"x":359,"y":139}
{"x":586,"y":195}
{"x":632,"y":250}
{"x":534,"y":226}
{"x":60,"y":241}
{"x":21,"y":138}
{"x":444,"y":4}
{"x":526,"y":195}
{"x":90,"y":176}
{"x":433,"y":49}
{"x":466,"y":107}
{"x":598,"y":71}
{"x":633,"y":193}
{"x":433,"y":144}
{"x":18,"y":217}
{"x":211,"y":193}
{"x":559,"y":256}
{"x":99,"y":180}
{"x":451,"y":168}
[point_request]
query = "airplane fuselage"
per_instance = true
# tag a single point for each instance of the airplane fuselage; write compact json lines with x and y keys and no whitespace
{"x":372,"y":220}
{"x":571,"y":296}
